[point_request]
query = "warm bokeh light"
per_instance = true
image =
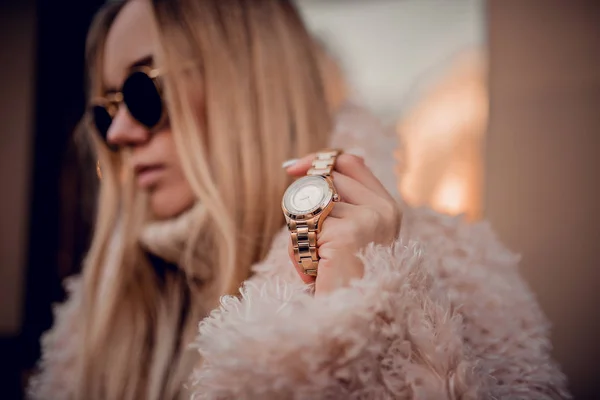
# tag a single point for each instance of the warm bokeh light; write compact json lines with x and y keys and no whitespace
{"x":443,"y":136}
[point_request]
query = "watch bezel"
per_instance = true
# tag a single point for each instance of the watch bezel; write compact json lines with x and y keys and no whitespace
{"x":317,"y":210}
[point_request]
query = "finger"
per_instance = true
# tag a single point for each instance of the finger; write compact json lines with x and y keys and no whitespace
{"x":344,"y":210}
{"x":355,"y":168}
{"x":330,"y":229}
{"x":355,"y":226}
{"x":305,"y":278}
{"x":337,"y":234}
{"x":354,"y":192}
{"x":337,"y":270}
{"x":301,"y":166}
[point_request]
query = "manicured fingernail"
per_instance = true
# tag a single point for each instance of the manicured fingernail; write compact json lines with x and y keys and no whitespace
{"x":289,"y":163}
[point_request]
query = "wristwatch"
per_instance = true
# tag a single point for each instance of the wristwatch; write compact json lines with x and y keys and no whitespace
{"x":306,"y":203}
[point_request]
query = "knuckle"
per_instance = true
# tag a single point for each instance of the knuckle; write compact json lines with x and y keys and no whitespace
{"x":371,"y":218}
{"x":391,"y":211}
{"x":380,"y":226}
{"x":351,"y":232}
{"x":382,"y":222}
{"x":355,"y":228}
{"x":392,"y":219}
{"x":374,"y":215}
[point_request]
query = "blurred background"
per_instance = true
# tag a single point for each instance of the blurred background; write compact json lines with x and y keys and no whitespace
{"x":496,"y":104}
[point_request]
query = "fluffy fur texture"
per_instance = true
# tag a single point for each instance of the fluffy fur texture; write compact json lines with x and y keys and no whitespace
{"x":441,"y":314}
{"x":59,"y":346}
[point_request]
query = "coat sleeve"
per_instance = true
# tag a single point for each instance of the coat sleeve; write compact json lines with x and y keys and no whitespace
{"x":389,"y":335}
{"x":503,"y":324}
{"x":54,"y":378}
{"x":412,"y":328}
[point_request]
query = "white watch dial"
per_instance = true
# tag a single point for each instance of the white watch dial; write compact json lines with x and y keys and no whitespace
{"x":307,"y":194}
{"x":307,"y":197}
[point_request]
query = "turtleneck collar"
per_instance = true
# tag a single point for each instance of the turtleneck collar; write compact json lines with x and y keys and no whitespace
{"x":170,"y":240}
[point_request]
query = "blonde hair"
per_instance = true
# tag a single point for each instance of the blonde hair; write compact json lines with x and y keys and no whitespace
{"x":257,"y":73}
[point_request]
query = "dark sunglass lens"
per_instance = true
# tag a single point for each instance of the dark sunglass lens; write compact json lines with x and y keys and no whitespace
{"x":142,"y":99}
{"x":102,"y":119}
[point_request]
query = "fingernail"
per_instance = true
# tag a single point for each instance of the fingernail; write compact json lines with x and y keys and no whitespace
{"x":289,"y":163}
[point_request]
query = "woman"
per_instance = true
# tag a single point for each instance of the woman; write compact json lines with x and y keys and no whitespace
{"x":196,"y":104}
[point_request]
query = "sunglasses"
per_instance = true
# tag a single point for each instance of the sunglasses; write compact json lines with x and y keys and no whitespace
{"x":141,"y":93}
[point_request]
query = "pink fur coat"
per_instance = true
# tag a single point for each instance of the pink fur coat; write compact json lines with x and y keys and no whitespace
{"x":441,"y":314}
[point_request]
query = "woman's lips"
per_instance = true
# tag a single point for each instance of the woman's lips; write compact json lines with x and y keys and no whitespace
{"x":148,"y":175}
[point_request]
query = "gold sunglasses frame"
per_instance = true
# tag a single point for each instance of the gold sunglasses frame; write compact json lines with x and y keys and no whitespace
{"x":113,"y":100}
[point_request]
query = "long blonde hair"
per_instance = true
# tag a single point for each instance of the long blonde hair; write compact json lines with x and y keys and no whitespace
{"x":258,"y":73}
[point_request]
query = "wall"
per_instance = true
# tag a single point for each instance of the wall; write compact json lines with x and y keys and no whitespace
{"x":543,"y":164}
{"x":390,"y":49}
{"x":17,"y":30}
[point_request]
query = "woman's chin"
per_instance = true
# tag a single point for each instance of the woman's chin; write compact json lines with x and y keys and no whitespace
{"x":169,"y":203}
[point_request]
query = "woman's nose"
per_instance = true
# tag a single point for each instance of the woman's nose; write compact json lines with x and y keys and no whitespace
{"x":125,"y":130}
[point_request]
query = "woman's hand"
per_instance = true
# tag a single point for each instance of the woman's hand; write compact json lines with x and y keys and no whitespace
{"x":366,"y":213}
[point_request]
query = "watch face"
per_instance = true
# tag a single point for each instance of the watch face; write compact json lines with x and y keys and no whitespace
{"x":307,"y":194}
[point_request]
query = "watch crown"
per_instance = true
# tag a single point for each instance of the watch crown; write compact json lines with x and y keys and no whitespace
{"x":336,"y":197}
